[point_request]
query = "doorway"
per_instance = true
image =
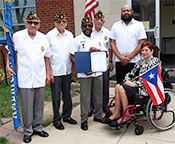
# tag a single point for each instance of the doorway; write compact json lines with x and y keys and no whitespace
{"x":158,"y":18}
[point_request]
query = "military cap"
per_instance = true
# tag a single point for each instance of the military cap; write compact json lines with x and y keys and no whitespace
{"x":32,"y":16}
{"x":86,"y":19}
{"x":99,"y":14}
{"x":60,"y":16}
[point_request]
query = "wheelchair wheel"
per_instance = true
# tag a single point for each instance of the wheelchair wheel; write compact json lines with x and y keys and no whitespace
{"x":162,"y":117}
{"x":139,"y":130}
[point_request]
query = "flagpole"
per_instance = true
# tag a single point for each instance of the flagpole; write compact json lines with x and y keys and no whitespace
{"x":144,"y":72}
{"x":7,"y":26}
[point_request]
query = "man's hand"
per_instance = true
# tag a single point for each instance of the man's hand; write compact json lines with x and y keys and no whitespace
{"x":89,"y":73}
{"x":10,"y":72}
{"x":124,"y":59}
{"x":93,"y":49}
{"x":111,"y":67}
{"x":49,"y":78}
{"x":73,"y":74}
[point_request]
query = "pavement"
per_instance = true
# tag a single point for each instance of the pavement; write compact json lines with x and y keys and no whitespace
{"x":96,"y":134}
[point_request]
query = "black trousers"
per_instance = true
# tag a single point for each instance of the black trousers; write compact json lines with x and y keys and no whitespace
{"x":121,"y":71}
{"x":61,"y":84}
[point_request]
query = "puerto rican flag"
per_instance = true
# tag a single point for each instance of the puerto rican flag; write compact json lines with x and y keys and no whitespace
{"x":154,"y":85}
{"x":90,"y":6}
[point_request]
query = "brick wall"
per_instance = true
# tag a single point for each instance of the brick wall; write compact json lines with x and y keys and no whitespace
{"x":47,"y":9}
{"x":1,"y":56}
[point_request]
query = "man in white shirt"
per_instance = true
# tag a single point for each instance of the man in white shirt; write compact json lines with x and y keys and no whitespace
{"x":33,"y":73}
{"x":89,"y":82}
{"x":60,"y":39}
{"x":127,"y":36}
{"x":104,"y":34}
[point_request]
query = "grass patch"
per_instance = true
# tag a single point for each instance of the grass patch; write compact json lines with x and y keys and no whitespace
{"x":5,"y":101}
{"x":5,"y":98}
{"x":48,"y":95}
{"x":76,"y":104}
{"x":3,"y":140}
{"x":45,"y":124}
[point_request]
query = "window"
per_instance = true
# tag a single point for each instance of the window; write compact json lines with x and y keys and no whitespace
{"x":20,"y":10}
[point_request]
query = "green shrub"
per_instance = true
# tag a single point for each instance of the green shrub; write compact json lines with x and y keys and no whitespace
{"x":3,"y":140}
{"x":2,"y":75}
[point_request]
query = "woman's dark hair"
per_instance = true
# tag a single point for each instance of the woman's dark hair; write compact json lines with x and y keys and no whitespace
{"x":151,"y":47}
{"x":148,"y":44}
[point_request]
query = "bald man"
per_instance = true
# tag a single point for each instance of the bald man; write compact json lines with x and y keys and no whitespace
{"x":127,"y":35}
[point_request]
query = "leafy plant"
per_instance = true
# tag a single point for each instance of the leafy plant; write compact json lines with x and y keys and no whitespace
{"x":3,"y":140}
{"x":2,"y":75}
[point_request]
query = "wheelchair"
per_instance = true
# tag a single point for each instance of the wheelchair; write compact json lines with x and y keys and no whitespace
{"x":160,"y":117}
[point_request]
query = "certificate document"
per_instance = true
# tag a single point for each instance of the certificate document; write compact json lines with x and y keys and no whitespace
{"x":98,"y":61}
{"x":90,"y":62}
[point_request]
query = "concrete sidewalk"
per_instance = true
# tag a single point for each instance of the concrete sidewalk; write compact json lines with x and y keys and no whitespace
{"x":102,"y":134}
{"x":96,"y":134}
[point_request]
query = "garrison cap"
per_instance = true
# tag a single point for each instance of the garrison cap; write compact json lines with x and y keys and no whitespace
{"x":32,"y":16}
{"x":99,"y":14}
{"x":86,"y":19}
{"x":60,"y":16}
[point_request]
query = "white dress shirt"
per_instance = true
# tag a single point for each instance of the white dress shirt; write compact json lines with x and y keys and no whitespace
{"x":82,"y":43}
{"x":126,"y":37}
{"x":30,"y":57}
{"x":60,"y":59}
{"x":104,"y":35}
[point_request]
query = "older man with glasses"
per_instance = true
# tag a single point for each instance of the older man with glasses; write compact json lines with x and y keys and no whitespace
{"x":33,"y":53}
{"x":89,"y":82}
{"x":60,"y":39}
{"x":104,"y":34}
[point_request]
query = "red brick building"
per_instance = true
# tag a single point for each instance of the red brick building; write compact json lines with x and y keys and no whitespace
{"x":46,"y":11}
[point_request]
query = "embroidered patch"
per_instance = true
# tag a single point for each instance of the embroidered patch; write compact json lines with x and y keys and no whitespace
{"x":105,"y":37}
{"x":42,"y":48}
{"x":99,"y":44}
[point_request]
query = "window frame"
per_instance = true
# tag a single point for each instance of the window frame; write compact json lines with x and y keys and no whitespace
{"x":3,"y":8}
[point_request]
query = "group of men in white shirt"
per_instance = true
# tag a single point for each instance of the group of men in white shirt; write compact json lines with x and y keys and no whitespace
{"x":50,"y":59}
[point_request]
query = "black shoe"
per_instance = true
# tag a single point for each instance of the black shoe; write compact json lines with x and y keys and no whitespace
{"x":107,"y":120}
{"x":58,"y":125}
{"x":27,"y":139}
{"x":109,"y":112}
{"x":113,"y":124}
{"x":90,"y":113}
{"x":84,"y":126}
{"x":99,"y":120}
{"x":41,"y":134}
{"x":70,"y":120}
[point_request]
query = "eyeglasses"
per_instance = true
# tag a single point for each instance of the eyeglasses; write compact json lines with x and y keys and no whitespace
{"x":126,"y":11}
{"x":60,"y":21}
{"x":31,"y":22}
{"x":87,"y":26}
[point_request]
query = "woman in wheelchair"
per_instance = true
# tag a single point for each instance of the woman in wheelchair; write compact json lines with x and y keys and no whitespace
{"x":125,"y":92}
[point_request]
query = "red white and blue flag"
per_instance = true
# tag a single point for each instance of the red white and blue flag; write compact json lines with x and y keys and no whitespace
{"x":90,"y":6}
{"x":154,"y":85}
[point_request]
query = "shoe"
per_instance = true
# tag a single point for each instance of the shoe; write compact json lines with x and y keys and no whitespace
{"x":90,"y":113}
{"x":109,"y":113}
{"x":84,"y":126}
{"x":41,"y":134}
{"x":27,"y":139}
{"x":58,"y":125}
{"x":70,"y":120}
{"x":113,"y":124}
{"x":107,"y":120}
{"x":99,"y":120}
